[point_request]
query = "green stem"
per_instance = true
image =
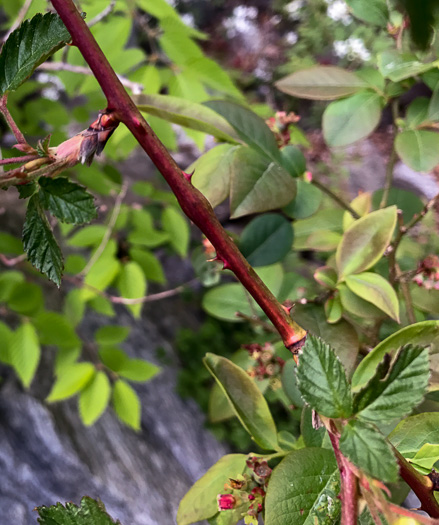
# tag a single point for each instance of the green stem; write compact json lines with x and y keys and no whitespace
{"x":335,"y":198}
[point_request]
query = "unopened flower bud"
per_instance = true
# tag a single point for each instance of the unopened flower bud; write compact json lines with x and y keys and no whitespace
{"x":226,"y":501}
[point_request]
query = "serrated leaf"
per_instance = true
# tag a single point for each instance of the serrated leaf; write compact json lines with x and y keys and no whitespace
{"x":249,"y":404}
{"x":364,"y":242}
{"x":200,"y":502}
{"x":151,"y":266}
{"x":178,"y":229}
{"x":322,"y":380}
{"x":257,"y":184}
{"x":304,"y":489}
{"x":113,"y":358}
{"x":94,"y":398}
{"x":376,"y":290}
{"x":126,"y":404}
{"x":67,"y":201}
{"x":251,"y":128}
{"x":132,"y":285}
{"x":411,"y":434}
{"x":90,"y":512}
{"x":351,"y":119}
{"x":321,"y":83}
{"x":26,"y":190}
{"x":418,"y":148}
{"x":71,"y":380}
{"x":40,"y":244}
{"x":29,"y":46}
{"x":188,"y":114}
{"x":25,"y":353}
{"x":266,"y":239}
{"x":363,"y":445}
{"x":394,"y":394}
{"x":419,"y":334}
{"x":138,"y":370}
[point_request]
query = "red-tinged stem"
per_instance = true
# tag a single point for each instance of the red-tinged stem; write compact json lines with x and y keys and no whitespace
{"x":192,"y":202}
{"x":349,"y":485}
{"x":8,"y":117}
{"x":16,"y":160}
{"x":421,"y":485}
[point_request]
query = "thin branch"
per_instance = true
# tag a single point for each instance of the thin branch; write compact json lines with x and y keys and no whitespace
{"x":108,"y":231}
{"x":421,"y":485}
{"x":12,"y":262}
{"x":390,"y":168}
{"x":115,"y":299}
{"x":335,"y":198}
{"x":20,"y":17}
{"x":135,"y":87}
{"x":8,"y":117}
{"x":193,"y":203}
{"x":103,"y":14}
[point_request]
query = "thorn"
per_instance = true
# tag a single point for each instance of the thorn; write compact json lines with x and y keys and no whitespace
{"x":188,"y":176}
{"x":226,"y":265}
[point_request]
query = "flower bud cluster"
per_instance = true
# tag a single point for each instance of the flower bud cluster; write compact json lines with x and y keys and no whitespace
{"x":247,"y":492}
{"x":267,"y":364}
{"x":428,"y":273}
{"x":279,"y":125}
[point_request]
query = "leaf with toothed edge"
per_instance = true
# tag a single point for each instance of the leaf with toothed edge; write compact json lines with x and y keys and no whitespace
{"x":29,"y":46}
{"x":39,"y":242}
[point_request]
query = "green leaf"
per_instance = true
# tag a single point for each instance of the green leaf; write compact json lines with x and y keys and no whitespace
{"x":150,"y":265}
{"x":354,"y":305}
{"x":311,"y":436}
{"x":411,"y":434}
{"x":28,"y":47}
{"x":25,"y":353}
{"x":67,"y":201}
{"x":404,"y":200}
{"x":111,"y":334}
{"x":341,"y":336}
{"x":179,"y":233}
{"x":399,"y":66}
{"x":393,"y":394}
{"x":433,"y":107}
{"x":138,"y":370}
{"x":126,"y":404}
{"x":321,"y":83}
{"x":188,"y":114}
{"x":10,"y":244}
{"x":258,"y":185}
{"x":26,"y":190}
{"x":71,"y":380}
{"x":426,"y":456}
{"x":74,"y":307}
{"x":322,"y":380}
{"x":212,"y":171}
{"x":333,"y":309}
{"x":374,"y":12}
{"x":376,"y":290}
{"x":304,"y":489}
{"x":362,"y":205}
{"x":55,"y":329}
{"x":101,"y":275}
{"x":251,"y":128}
{"x":144,"y":232}
{"x":113,"y":358}
{"x":419,"y":149}
{"x":94,"y":398}
{"x":40,"y":244}
{"x":5,"y":343}
{"x":289,"y":383}
{"x":200,"y":502}
{"x":65,"y":357}
{"x":364,"y":242}
{"x":26,"y":298}
{"x":293,"y":160}
{"x":266,"y":240}
{"x":90,"y":512}
{"x":306,"y":203}
{"x":249,"y":404}
{"x":351,"y":119}
{"x":363,"y":445}
{"x":419,"y":334}
{"x":88,"y":236}
{"x":132,"y":285}
{"x":8,"y":282}
{"x":417,"y":112}
{"x":326,"y":276}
